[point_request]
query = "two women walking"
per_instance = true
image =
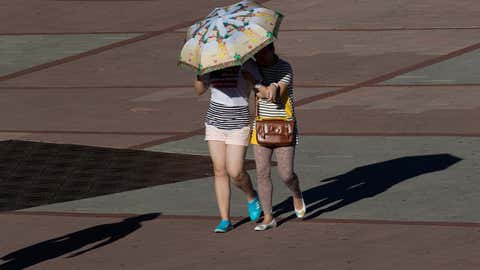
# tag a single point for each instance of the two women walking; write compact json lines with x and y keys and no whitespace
{"x":229,"y":131}
{"x":220,"y":48}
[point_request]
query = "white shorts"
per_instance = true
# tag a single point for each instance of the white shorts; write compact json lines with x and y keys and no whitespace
{"x":229,"y":136}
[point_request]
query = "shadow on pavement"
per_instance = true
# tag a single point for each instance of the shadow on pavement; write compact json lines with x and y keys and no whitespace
{"x":53,"y":248}
{"x":364,"y":182}
{"x":36,"y":173}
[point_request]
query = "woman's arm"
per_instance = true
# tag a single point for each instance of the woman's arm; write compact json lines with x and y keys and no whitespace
{"x":199,"y":85}
{"x":262,"y":91}
{"x":283,"y":89}
{"x":249,"y":80}
{"x":285,"y":81}
{"x":270,"y":93}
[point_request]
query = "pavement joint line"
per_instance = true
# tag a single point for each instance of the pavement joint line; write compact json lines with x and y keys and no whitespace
{"x":168,"y":139}
{"x":96,"y":132}
{"x":167,"y":87}
{"x":395,"y":222}
{"x":373,"y":29}
{"x":297,"y":85}
{"x":379,"y":29}
{"x":198,"y":132}
{"x":313,"y":85}
{"x":389,"y":75}
{"x":429,"y":85}
{"x":391,"y":134}
{"x":236,"y":219}
{"x":95,"y":87}
{"x":103,"y":0}
{"x":67,"y":214}
{"x":76,"y":33}
{"x":94,"y":51}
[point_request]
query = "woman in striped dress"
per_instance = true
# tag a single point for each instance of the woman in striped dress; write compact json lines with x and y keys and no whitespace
{"x":276,"y":101}
{"x":227,"y":130}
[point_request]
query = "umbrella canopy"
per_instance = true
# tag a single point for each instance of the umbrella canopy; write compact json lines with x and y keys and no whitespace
{"x":229,"y":36}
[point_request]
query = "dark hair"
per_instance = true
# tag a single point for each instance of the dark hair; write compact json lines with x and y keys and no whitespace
{"x":221,"y":73}
{"x":270,"y":47}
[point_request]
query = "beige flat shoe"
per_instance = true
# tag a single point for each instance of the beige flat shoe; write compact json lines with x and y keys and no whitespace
{"x":264,"y":227}
{"x":301,"y":212}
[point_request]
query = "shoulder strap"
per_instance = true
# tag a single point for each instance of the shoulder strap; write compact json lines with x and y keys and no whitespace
{"x":257,"y":113}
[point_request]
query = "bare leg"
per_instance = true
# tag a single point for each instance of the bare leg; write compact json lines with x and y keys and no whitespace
{"x":222,"y":182}
{"x":263,"y":156}
{"x":235,"y":167}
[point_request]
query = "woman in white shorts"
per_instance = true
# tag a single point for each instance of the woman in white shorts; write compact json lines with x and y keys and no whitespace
{"x":227,"y":130}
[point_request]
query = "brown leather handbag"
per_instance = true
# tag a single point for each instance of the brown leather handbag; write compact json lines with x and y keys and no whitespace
{"x":273,"y":132}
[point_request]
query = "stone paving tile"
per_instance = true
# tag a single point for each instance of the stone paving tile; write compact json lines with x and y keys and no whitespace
{"x":38,"y":16}
{"x":98,"y":110}
{"x":459,"y":70}
{"x":100,"y":140}
{"x":384,"y":110}
{"x":22,"y":52}
{"x":313,"y":14}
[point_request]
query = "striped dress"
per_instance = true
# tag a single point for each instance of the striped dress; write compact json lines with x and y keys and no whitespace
{"x":280,"y":72}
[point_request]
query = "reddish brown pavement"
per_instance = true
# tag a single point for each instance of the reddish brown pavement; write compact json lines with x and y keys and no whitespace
{"x":316,"y":56}
{"x":72,"y":16}
{"x":432,"y":110}
{"x":133,"y":82}
{"x":378,"y":14}
{"x":186,"y":243}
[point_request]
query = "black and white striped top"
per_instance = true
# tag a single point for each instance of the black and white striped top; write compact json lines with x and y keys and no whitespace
{"x":282,"y":72}
{"x":229,"y":100}
{"x":227,"y":117}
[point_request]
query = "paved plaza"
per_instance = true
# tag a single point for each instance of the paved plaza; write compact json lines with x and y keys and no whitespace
{"x":103,"y":163}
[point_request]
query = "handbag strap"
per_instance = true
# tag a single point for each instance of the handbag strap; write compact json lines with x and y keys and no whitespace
{"x":257,"y":99}
{"x":257,"y":113}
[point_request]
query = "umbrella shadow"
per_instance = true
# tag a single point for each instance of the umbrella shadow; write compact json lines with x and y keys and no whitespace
{"x":364,"y":182}
{"x":104,"y":234}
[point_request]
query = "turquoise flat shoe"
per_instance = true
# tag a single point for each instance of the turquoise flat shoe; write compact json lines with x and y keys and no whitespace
{"x":224,"y":226}
{"x":254,"y":209}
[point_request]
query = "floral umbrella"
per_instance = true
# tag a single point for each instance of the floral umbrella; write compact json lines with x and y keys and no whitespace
{"x":229,"y":36}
